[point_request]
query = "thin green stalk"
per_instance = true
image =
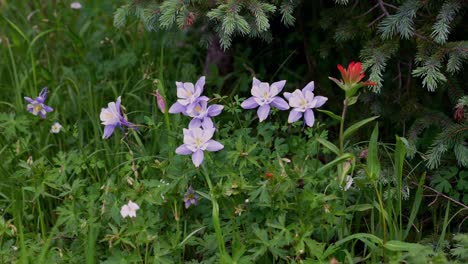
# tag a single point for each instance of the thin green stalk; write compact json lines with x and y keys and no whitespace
{"x":384,"y":224}
{"x":343,"y":116}
{"x":215,"y":215}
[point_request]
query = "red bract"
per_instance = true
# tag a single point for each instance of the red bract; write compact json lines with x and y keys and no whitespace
{"x":351,"y":78}
{"x":353,"y":74}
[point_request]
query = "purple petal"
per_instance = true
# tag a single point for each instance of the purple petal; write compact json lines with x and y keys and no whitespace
{"x":48,"y":108}
{"x":319,"y":101}
{"x":207,"y":123}
{"x":200,"y":84}
{"x":256,"y":82}
{"x":195,"y":122}
{"x":187,"y":204}
{"x":214,"y":145}
{"x":280,"y":103}
{"x":108,"y":130}
{"x":183,"y":150}
{"x":287,"y":95}
{"x":214,"y":110}
{"x":278,"y":85}
{"x":294,"y":115}
{"x":30,"y":100}
{"x":309,"y":117}
{"x":249,"y":103}
{"x":197,"y":157}
{"x":309,"y":87}
{"x":263,"y":112}
{"x":177,"y":108}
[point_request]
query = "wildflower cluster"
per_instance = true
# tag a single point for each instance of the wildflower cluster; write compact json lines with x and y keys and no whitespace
{"x":198,"y":136}
{"x":301,"y":101}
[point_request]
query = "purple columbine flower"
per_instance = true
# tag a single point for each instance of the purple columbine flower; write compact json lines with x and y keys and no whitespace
{"x":190,"y":197}
{"x":37,"y":106}
{"x":264,"y":95}
{"x":197,"y":140}
{"x":111,"y":118}
{"x":303,"y":102}
{"x":202,"y":113}
{"x":188,"y":95}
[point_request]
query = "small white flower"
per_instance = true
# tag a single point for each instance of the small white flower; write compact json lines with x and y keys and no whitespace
{"x":349,"y":182}
{"x":56,"y":127}
{"x":75,"y":5}
{"x":129,"y":209}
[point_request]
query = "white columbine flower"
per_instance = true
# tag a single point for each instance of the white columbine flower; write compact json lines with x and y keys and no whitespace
{"x":75,"y":5}
{"x":129,"y":209}
{"x":56,"y":127}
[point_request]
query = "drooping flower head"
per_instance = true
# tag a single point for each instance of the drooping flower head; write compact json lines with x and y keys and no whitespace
{"x":188,"y":95}
{"x":351,"y":78}
{"x":160,"y":101}
{"x":201,"y":114}
{"x":111,"y":118}
{"x":264,"y":95}
{"x":303,"y":102}
{"x":197,"y":140}
{"x":56,"y":127}
{"x":36,"y":106}
{"x":190,"y":197}
{"x":129,"y":210}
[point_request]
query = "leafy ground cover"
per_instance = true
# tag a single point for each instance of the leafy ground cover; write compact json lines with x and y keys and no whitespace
{"x":130,"y":156}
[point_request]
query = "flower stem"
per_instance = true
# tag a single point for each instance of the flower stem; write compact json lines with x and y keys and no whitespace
{"x":215,"y":215}
{"x":343,"y":116}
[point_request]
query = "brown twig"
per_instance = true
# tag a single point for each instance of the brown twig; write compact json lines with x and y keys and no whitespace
{"x":446,"y":197}
{"x":382,"y":6}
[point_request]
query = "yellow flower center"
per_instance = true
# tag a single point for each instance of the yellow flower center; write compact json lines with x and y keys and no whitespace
{"x":37,"y":108}
{"x":198,"y":109}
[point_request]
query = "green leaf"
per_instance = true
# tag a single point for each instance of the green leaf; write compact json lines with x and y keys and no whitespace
{"x":330,"y":114}
{"x":359,"y":207}
{"x":350,"y":130}
{"x":338,"y":160}
{"x":373,"y":163}
{"x":395,"y":245}
{"x":332,"y":147}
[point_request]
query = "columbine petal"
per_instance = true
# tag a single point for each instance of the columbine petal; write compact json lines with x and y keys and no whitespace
{"x":256,"y":82}
{"x":263,"y":112}
{"x":194,"y":123}
{"x":197,"y":157}
{"x":259,"y":90}
{"x":309,"y":87}
{"x":319,"y":101}
{"x":199,"y":85}
{"x":287,"y":95}
{"x":124,"y":211}
{"x":249,"y":103}
{"x":177,"y":108}
{"x":214,"y":110}
{"x":309,"y":117}
{"x":280,"y":103}
{"x":183,"y":150}
{"x":214,"y":145}
{"x":294,"y":116}
{"x":28,"y":99}
{"x":207,"y":123}
{"x":108,"y":131}
{"x":277,"y":87}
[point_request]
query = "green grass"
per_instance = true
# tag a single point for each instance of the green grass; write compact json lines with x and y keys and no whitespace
{"x":60,"y":194}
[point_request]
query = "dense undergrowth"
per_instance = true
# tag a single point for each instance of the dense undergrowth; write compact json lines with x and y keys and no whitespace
{"x":276,"y":193}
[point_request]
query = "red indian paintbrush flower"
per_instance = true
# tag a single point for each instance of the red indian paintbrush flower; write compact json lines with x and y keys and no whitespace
{"x":351,"y":78}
